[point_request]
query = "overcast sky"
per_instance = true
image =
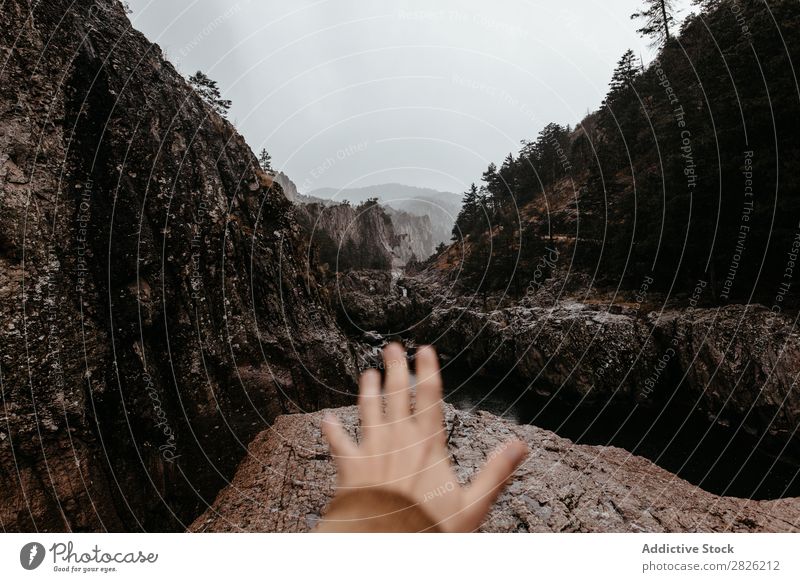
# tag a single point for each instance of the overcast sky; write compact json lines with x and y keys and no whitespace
{"x":353,"y":93}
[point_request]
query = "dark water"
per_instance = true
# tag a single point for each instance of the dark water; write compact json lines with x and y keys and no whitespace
{"x":721,"y":460}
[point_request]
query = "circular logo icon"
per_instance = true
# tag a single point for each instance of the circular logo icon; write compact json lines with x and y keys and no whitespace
{"x":31,"y":555}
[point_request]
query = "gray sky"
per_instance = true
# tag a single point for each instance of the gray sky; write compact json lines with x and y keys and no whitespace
{"x":353,"y":93}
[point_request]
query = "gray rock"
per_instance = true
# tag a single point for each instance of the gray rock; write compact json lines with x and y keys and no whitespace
{"x":289,"y":475}
{"x":738,"y":363}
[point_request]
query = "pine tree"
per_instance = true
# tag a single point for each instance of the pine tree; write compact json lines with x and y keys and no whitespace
{"x":209,"y":92}
{"x":622,"y":79}
{"x":658,"y":16}
{"x":265,"y":160}
{"x":707,"y":5}
{"x":502,"y":185}
{"x":619,"y":113}
{"x":624,"y":73}
{"x":469,"y":215}
{"x":549,"y":151}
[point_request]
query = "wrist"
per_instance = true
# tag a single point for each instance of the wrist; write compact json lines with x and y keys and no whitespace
{"x":374,"y":509}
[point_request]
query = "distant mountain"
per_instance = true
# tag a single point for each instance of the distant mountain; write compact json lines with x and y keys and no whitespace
{"x":441,"y":207}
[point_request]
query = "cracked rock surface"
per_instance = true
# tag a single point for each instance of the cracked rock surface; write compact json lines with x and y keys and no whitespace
{"x":288,"y":477}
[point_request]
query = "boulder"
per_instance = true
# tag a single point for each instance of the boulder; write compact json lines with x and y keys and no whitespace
{"x":741,"y":362}
{"x":288,"y":477}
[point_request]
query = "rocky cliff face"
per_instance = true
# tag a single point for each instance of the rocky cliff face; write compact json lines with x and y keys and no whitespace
{"x":441,"y":208}
{"x":288,"y":186}
{"x":742,"y":362}
{"x":415,"y":235}
{"x":288,"y":478}
{"x":738,"y":364}
{"x":155,"y":309}
{"x":364,"y":236}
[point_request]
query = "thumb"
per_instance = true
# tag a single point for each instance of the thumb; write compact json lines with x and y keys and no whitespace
{"x":492,"y":479}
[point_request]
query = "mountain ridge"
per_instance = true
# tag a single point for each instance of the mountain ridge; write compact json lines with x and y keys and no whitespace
{"x":441,"y":207}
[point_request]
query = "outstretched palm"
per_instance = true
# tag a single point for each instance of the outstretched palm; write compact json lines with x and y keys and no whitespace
{"x":406,"y":451}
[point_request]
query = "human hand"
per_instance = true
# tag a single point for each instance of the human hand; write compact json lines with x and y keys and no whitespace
{"x":406,"y":452}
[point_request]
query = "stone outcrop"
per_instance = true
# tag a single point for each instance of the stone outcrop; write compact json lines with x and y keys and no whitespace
{"x":364,"y":236}
{"x":156,"y":311}
{"x":738,"y":363}
{"x":288,"y":478}
{"x":370,"y":301}
{"x":288,"y":186}
{"x":741,"y":361}
{"x":415,"y":235}
{"x":583,"y":352}
{"x":441,"y":208}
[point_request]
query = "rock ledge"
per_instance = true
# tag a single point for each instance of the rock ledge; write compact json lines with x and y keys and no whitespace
{"x":288,"y":477}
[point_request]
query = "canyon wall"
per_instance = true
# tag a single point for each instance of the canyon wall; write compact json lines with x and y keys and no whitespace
{"x":367,"y":236}
{"x":156,"y":308}
{"x":441,"y":208}
{"x":287,"y":185}
{"x":415,"y":235}
{"x":737,"y":364}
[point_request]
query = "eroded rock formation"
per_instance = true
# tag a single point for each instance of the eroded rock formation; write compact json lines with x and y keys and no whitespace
{"x":367,"y":236}
{"x":156,"y":312}
{"x":415,"y":234}
{"x":441,"y":208}
{"x":288,"y":478}
{"x":738,"y":363}
{"x":288,"y":186}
